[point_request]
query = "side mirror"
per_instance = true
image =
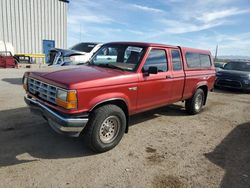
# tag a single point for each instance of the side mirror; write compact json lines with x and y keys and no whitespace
{"x":152,"y":70}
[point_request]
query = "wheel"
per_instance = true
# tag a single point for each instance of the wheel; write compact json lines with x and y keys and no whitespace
{"x":194,"y":104}
{"x":247,"y":91}
{"x":106,"y":127}
{"x":216,"y":86}
{"x":16,"y":64}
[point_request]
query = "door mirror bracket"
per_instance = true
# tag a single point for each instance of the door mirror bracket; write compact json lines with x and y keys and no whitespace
{"x":151,"y":70}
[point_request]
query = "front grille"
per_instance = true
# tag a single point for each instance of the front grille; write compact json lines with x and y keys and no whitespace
{"x":229,"y":83}
{"x":42,"y":90}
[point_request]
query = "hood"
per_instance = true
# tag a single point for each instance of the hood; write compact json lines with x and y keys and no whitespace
{"x":84,"y":76}
{"x":232,"y":73}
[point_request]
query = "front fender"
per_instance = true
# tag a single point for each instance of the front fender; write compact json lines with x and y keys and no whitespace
{"x":108,"y":97}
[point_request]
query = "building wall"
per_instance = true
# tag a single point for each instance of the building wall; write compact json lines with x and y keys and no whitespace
{"x":26,"y":23}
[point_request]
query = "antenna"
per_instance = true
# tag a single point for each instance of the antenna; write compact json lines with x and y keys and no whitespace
{"x":216,"y":52}
{"x":80,"y":32}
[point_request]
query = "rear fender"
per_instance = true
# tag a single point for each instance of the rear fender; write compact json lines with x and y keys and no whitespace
{"x":202,"y":85}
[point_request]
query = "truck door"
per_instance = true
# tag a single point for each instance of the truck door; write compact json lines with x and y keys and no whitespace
{"x":178,"y":76}
{"x":154,"y":89}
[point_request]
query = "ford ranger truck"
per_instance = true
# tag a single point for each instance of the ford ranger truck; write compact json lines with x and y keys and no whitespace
{"x":122,"y":78}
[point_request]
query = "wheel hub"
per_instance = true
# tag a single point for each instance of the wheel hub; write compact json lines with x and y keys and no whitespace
{"x":109,"y":129}
{"x":198,"y":102}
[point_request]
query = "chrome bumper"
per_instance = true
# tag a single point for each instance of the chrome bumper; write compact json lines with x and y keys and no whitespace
{"x":61,"y":124}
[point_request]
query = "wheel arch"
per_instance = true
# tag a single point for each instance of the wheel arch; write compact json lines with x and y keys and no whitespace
{"x":120,"y":102}
{"x":204,"y":87}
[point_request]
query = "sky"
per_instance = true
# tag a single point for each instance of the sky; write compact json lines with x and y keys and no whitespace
{"x":192,"y":23}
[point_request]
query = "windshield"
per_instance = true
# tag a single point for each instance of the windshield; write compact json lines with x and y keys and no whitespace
{"x":5,"y":53}
{"x":239,"y":66}
{"x":125,"y":57}
{"x":83,"y":47}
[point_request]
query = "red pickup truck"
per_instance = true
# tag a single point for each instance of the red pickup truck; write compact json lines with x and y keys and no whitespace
{"x":7,"y":60}
{"x":121,"y":79}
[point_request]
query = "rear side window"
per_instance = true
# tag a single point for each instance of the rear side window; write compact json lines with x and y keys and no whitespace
{"x":195,"y":60}
{"x":176,"y":60}
{"x":205,"y":60}
{"x":156,"y":58}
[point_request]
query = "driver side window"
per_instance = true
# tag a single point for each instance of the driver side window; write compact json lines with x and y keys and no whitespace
{"x":156,"y":58}
{"x":106,"y":55}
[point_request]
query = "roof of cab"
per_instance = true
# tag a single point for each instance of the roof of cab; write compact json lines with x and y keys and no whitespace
{"x":147,"y":44}
{"x":144,"y":44}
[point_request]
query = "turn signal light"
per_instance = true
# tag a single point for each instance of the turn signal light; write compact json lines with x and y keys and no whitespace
{"x":71,"y":101}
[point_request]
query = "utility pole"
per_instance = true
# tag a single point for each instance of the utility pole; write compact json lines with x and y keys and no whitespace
{"x":216,"y":52}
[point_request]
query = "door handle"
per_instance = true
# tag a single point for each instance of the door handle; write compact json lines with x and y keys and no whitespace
{"x":169,"y":77}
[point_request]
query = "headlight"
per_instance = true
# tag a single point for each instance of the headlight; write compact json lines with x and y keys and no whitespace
{"x":72,"y":58}
{"x":218,"y":74}
{"x":66,"y":99}
{"x":62,"y":94}
{"x":69,"y":59}
{"x":247,"y":79}
{"x":25,"y":83}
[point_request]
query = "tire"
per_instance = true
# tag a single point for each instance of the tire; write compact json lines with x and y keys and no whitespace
{"x":247,"y":91}
{"x":105,"y":128}
{"x":16,"y":64}
{"x":194,"y":105}
{"x":216,"y":87}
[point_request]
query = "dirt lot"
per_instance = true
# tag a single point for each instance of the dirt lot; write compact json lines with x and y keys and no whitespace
{"x":164,"y":148}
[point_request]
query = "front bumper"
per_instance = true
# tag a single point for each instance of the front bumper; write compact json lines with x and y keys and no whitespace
{"x":232,"y":83}
{"x":61,"y":124}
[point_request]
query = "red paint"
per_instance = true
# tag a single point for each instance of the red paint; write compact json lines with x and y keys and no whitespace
{"x":7,"y":60}
{"x":96,"y":84}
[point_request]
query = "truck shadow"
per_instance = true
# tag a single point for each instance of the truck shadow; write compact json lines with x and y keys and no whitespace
{"x":171,"y":110}
{"x":229,"y":91}
{"x":15,"y":81}
{"x":233,"y":155}
{"x":25,"y":138}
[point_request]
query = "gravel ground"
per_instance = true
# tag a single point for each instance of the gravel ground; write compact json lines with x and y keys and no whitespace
{"x":164,"y":147}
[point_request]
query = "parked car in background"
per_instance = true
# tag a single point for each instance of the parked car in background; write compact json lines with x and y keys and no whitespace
{"x":7,"y":60}
{"x":78,"y":54}
{"x":97,"y":99}
{"x":219,"y":65}
{"x":234,"y":75}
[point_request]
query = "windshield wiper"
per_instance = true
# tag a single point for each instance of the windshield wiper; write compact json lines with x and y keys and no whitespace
{"x":80,"y":63}
{"x":86,"y":63}
{"x":109,"y":66}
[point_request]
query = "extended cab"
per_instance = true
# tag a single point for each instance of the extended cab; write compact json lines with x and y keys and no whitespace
{"x":121,"y":79}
